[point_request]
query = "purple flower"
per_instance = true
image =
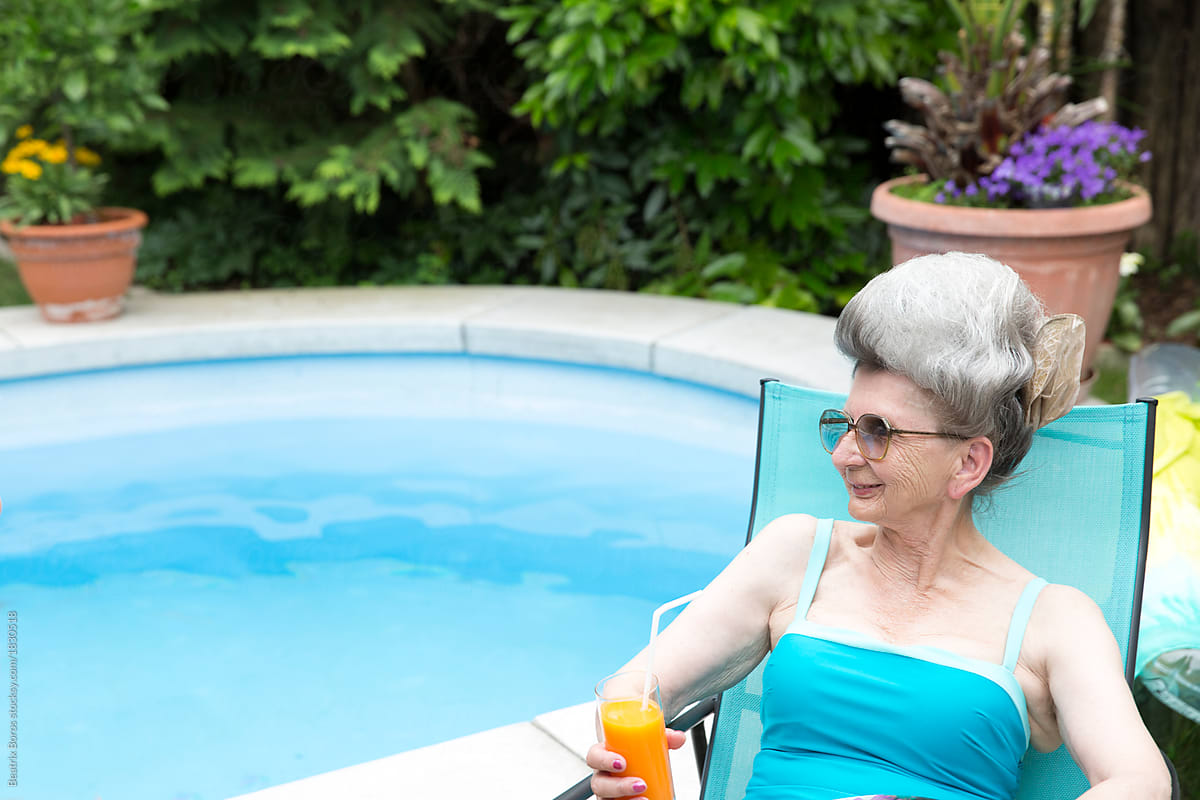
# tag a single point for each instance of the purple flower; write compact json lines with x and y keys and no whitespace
{"x":1063,"y":166}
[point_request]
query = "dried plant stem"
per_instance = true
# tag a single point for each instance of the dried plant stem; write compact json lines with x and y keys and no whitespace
{"x":68,"y":141}
{"x":1066,"y":25}
{"x":1114,"y":44}
{"x":1045,"y":29}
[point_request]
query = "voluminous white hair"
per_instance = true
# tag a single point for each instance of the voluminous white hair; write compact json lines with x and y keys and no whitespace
{"x":959,"y":325}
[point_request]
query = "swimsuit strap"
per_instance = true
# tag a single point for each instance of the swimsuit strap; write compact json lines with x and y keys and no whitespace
{"x":1020,"y":618}
{"x":816,"y":563}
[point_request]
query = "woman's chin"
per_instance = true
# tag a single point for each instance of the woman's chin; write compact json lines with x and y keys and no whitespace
{"x":864,"y":511}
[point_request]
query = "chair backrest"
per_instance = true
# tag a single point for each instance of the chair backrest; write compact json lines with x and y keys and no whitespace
{"x":1077,"y":513}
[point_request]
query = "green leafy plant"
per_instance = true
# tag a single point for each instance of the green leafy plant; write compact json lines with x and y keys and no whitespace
{"x":47,"y":183}
{"x":1183,"y":265}
{"x":224,"y":238}
{"x":736,"y":182}
{"x":1126,"y":325}
{"x":727,"y":175}
{"x":331,"y":103}
{"x":1154,"y":295}
{"x":79,"y":72}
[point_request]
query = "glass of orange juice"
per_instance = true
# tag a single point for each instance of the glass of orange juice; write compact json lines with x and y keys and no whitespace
{"x":636,"y":730}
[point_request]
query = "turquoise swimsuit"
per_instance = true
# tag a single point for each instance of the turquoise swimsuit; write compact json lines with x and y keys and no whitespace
{"x":845,"y":714}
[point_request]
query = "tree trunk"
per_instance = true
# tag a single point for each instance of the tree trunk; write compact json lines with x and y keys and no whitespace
{"x":1164,"y":46}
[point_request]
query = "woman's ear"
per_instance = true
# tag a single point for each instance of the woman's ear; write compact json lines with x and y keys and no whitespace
{"x":975,"y":460}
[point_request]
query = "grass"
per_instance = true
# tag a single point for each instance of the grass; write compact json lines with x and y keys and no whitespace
{"x":12,"y":293}
{"x":1176,"y":736}
{"x":1112,"y":368}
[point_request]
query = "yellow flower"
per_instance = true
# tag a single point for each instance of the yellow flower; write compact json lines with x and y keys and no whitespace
{"x":86,"y":157}
{"x":19,"y":166}
{"x":29,"y":147}
{"x":54,"y":155}
{"x":24,"y":132}
{"x":31,"y":170}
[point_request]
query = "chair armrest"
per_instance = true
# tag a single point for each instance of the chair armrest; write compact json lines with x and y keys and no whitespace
{"x":1176,"y":792}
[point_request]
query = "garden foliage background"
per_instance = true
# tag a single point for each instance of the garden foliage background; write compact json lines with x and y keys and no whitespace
{"x":699,"y":147}
{"x":714,"y":148}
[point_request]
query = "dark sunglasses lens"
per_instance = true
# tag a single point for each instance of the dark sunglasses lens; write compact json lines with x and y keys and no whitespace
{"x":873,"y":434}
{"x":833,"y":427}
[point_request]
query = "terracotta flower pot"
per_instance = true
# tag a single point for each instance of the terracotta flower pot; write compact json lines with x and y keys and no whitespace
{"x":1070,"y":257}
{"x":78,"y":273}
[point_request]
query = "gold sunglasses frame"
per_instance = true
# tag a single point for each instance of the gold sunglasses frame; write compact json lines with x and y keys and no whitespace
{"x":852,"y":425}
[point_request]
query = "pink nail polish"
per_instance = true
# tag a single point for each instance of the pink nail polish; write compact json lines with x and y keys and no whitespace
{"x":639,"y":786}
{"x":618,"y":765}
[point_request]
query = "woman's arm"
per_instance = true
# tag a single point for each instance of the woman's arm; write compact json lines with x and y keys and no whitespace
{"x":719,"y":637}
{"x":1097,"y":717}
{"x":722,"y":634}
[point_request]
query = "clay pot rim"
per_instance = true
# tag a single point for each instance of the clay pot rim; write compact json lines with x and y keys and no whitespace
{"x":115,"y":219}
{"x":1017,"y":222}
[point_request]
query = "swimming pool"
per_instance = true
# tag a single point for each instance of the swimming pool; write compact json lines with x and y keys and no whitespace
{"x":233,"y":574}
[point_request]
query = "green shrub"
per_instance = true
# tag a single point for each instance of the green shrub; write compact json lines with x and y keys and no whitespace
{"x":738,"y":183}
{"x":320,"y":98}
{"x":722,"y":151}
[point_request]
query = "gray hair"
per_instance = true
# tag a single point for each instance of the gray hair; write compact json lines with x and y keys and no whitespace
{"x":960,"y":326}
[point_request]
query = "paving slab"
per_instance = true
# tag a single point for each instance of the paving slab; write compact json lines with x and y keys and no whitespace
{"x":615,"y":329}
{"x":735,"y":350}
{"x":159,"y":328}
{"x":516,"y":762}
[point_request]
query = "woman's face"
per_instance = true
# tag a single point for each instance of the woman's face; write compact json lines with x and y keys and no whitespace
{"x":913,"y":476}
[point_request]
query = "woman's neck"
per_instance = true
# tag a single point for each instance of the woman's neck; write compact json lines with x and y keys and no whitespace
{"x":911,"y":558}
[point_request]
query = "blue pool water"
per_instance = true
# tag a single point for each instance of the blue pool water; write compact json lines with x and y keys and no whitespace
{"x":231,"y":575}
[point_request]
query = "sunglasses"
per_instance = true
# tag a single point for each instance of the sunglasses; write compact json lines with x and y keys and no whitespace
{"x":872,"y":433}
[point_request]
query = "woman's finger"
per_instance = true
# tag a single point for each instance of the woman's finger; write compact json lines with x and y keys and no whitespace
{"x":605,"y":784}
{"x":604,"y":760}
{"x":676,"y":739}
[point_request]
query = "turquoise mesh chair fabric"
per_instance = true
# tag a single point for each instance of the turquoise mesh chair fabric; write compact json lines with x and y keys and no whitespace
{"x":1075,"y":514}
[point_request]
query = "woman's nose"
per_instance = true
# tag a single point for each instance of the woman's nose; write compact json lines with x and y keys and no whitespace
{"x":846,"y":452}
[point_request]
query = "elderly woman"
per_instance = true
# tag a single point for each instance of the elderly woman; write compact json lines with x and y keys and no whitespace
{"x":909,"y":656}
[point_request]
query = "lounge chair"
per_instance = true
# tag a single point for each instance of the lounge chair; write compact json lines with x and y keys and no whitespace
{"x":1086,"y":479}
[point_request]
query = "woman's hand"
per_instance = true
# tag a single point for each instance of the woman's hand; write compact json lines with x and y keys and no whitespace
{"x":609,"y":779}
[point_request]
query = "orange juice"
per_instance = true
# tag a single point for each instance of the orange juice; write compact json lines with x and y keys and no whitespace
{"x":640,"y":736}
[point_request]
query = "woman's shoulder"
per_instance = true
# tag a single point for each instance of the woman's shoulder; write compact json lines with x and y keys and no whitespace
{"x":1062,"y":602}
{"x":1060,"y":605}
{"x":1066,"y":623}
{"x":789,"y":539}
{"x":786,"y":533}
{"x":799,"y":530}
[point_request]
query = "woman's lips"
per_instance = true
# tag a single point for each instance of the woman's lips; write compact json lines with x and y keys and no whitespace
{"x":862,"y":489}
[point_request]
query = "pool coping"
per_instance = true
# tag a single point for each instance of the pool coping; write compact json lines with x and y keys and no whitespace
{"x":723,"y":345}
{"x":718,"y":344}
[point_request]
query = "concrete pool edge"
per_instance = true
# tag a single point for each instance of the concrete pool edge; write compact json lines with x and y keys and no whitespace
{"x":525,"y":761}
{"x":717,"y":344}
{"x":722,"y":345}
